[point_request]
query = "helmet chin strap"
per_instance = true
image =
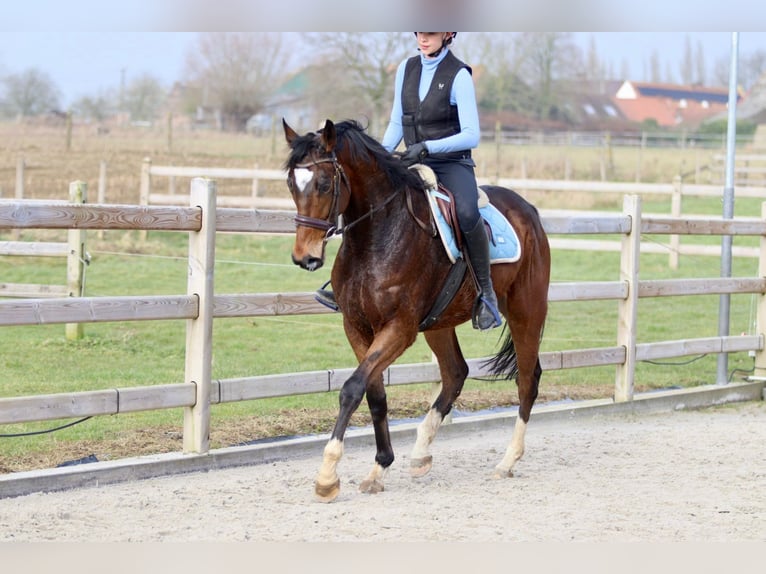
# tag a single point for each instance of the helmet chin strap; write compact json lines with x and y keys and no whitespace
{"x":439,"y":50}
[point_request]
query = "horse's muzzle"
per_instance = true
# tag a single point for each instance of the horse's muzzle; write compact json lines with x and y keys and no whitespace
{"x":309,"y":262}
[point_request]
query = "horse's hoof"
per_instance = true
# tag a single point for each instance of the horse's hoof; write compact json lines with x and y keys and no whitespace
{"x":327,"y":492}
{"x":371,"y":486}
{"x":420,"y":466}
{"x":501,"y":473}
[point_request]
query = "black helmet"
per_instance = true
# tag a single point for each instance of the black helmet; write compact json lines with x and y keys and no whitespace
{"x":454,"y":34}
{"x":445,"y":43}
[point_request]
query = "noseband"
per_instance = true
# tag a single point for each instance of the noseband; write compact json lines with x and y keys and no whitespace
{"x":329,"y":225}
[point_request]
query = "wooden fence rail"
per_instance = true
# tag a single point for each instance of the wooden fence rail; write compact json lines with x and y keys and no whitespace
{"x":199,"y":306}
{"x":74,"y":252}
{"x":676,"y":189}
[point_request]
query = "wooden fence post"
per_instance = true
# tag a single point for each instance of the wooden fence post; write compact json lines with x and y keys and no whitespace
{"x":101,"y":199}
{"x":675,"y":211}
{"x":146,"y":189}
{"x":627,"y":308}
{"x":19,"y":194}
{"x":69,"y":131}
{"x":75,"y":265}
{"x":255,"y":183}
{"x":759,"y":365}
{"x":199,"y":331}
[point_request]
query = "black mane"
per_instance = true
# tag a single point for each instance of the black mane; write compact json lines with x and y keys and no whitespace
{"x":357,"y":147}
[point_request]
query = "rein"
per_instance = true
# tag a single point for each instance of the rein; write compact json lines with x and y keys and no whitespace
{"x":330,"y":225}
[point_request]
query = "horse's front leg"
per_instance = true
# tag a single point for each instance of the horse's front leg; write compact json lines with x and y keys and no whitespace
{"x":384,"y":457}
{"x":327,"y":484}
{"x":386,"y":347}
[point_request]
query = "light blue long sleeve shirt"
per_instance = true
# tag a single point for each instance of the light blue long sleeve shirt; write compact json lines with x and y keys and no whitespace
{"x":462,"y":94}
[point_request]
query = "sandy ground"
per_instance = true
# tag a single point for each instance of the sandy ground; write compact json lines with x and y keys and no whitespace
{"x":681,"y":476}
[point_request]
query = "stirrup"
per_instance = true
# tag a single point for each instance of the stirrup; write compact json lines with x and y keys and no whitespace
{"x":326,"y":297}
{"x":483,"y":312}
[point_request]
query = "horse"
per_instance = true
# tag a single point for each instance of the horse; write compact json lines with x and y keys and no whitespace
{"x":386,"y":276}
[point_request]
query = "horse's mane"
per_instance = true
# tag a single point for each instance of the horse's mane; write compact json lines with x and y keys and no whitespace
{"x":358,"y":147}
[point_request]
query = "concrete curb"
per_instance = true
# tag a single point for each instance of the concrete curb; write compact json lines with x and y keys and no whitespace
{"x":132,"y":469}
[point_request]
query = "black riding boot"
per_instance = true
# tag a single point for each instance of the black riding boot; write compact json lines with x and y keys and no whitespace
{"x":485,"y":314}
{"x":326,"y":297}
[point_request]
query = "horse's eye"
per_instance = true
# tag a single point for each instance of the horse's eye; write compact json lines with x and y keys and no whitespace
{"x":324,"y":185}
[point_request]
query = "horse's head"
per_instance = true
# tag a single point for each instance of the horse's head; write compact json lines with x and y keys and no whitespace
{"x":315,"y":180}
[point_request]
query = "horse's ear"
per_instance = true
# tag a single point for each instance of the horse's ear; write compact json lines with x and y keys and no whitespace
{"x":290,"y":133}
{"x":328,"y":136}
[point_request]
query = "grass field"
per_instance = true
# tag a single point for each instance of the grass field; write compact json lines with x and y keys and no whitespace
{"x":39,"y":360}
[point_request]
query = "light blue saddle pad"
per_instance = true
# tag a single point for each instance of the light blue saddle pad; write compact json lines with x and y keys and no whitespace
{"x":504,"y":246}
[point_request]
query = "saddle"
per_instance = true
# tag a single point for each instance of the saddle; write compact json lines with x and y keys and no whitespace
{"x":503,"y":241}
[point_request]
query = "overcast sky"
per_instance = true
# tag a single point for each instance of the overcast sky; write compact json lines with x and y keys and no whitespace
{"x":87,"y":45}
{"x":87,"y":63}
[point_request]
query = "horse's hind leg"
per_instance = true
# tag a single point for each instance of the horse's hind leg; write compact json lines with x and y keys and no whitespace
{"x":527,"y":345}
{"x":454,"y":370}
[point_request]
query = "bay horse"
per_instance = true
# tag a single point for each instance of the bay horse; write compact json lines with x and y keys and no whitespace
{"x":387,"y":273}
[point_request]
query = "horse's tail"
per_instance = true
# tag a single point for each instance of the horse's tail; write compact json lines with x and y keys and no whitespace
{"x":503,"y":364}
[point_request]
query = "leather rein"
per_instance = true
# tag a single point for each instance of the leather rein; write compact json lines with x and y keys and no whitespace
{"x":330,"y":224}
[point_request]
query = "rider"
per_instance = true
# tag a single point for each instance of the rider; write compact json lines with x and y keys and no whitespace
{"x":435,"y":112}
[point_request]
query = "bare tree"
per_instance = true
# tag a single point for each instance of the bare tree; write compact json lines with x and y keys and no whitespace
{"x":750,"y":67}
{"x":699,"y":60}
{"x":236,"y":73}
{"x":654,"y":67}
{"x":549,"y":57}
{"x":144,"y":98}
{"x":361,"y":67}
{"x":499,"y":58}
{"x":96,"y":108}
{"x":754,"y":66}
{"x":686,"y":68}
{"x":30,"y":93}
{"x":594,"y":67}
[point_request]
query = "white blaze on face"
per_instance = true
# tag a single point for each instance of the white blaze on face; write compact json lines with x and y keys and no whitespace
{"x":302,"y":177}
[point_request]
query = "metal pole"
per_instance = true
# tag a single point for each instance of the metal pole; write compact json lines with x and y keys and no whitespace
{"x":728,"y":207}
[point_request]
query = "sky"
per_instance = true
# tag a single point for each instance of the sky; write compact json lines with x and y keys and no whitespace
{"x":88,"y":46}
{"x":89,"y":63}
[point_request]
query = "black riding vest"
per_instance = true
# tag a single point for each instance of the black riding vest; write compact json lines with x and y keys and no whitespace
{"x":434,"y":118}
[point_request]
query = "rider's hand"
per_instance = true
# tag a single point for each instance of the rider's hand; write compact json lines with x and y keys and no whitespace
{"x":414,"y":154}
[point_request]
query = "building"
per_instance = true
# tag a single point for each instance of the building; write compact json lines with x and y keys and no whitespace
{"x":670,"y":105}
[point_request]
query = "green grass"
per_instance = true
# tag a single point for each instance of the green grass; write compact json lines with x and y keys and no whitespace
{"x":39,"y":360}
{"x":138,"y":353}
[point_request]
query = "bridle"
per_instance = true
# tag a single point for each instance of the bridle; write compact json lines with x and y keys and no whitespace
{"x":330,"y":224}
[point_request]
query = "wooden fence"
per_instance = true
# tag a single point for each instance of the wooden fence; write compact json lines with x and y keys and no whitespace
{"x":148,"y":196}
{"x":199,"y":305}
{"x":749,"y":170}
{"x":677,"y":190}
{"x":76,"y":257}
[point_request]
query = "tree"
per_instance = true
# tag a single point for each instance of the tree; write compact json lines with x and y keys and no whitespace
{"x":701,"y":66}
{"x":30,"y":93}
{"x":654,"y":66}
{"x":548,"y":58}
{"x":236,"y":73}
{"x":360,"y":68}
{"x":750,"y":67}
{"x":143,"y":98}
{"x":499,"y":87}
{"x":96,"y":108}
{"x":687,"y":64}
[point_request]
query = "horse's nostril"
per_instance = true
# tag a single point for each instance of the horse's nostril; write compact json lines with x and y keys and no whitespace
{"x":312,"y":264}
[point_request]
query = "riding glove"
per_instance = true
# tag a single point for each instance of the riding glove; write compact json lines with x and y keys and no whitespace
{"x":414,"y":154}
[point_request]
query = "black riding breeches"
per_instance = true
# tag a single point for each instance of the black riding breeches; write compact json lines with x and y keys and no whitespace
{"x":460,"y":179}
